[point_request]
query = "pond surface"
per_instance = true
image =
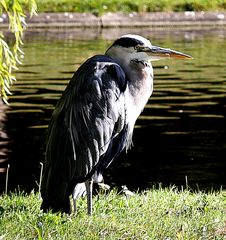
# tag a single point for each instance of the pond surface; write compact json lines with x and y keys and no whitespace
{"x":181,"y":132}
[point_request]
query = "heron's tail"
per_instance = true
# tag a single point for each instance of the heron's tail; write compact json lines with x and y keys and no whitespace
{"x":55,"y":198}
{"x":63,"y":206}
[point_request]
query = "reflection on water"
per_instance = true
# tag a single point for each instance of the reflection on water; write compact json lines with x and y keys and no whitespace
{"x":181,"y":132}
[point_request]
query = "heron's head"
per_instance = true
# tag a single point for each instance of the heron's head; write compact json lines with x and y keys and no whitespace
{"x":134,"y":47}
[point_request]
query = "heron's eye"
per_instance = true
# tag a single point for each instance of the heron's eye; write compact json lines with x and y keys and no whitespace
{"x":137,"y":47}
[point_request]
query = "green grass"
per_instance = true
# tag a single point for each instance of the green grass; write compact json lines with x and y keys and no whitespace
{"x":101,"y":6}
{"x":155,"y":214}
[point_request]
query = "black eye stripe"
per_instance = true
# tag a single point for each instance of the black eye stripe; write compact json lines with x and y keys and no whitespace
{"x":127,"y":42}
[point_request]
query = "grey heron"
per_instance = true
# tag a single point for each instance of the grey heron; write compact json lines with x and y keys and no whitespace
{"x":94,"y":119}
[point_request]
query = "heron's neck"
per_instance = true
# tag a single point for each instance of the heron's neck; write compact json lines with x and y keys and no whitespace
{"x":140,"y":80}
{"x":140,"y":77}
{"x":140,"y":84}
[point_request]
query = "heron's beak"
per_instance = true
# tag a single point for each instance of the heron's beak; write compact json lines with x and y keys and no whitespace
{"x":156,"y":53}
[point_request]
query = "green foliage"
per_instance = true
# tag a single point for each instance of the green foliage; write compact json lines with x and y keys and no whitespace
{"x":154,"y":214}
{"x":99,"y":7}
{"x":10,"y":57}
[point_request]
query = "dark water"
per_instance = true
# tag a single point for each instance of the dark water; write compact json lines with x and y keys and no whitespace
{"x":181,"y":132}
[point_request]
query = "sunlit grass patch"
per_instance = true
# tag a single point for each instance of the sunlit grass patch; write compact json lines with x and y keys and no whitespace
{"x":154,"y":214}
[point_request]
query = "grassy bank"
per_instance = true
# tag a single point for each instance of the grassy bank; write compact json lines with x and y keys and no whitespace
{"x":156,"y":214}
{"x":102,"y":6}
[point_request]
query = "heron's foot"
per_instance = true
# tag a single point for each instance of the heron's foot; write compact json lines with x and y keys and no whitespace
{"x":104,"y":186}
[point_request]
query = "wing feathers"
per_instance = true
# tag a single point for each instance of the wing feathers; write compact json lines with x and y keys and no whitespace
{"x":89,"y":120}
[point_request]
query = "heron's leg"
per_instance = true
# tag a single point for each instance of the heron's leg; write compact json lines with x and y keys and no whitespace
{"x":89,"y":190}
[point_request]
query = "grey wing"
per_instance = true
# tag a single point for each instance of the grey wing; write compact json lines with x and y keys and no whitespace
{"x":87,"y":124}
{"x":97,"y":118}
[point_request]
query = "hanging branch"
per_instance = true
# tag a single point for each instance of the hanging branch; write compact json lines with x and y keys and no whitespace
{"x":11,"y":57}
